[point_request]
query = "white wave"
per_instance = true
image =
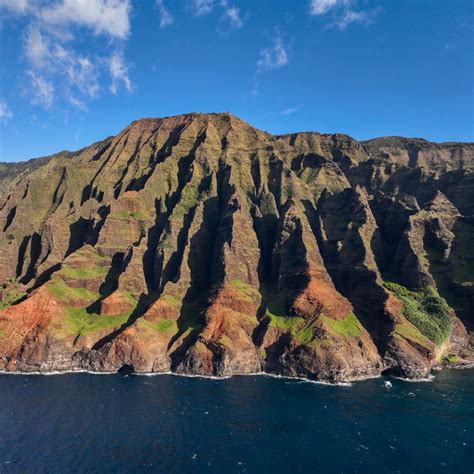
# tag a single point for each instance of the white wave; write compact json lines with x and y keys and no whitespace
{"x":55,"y":372}
{"x":151,"y":374}
{"x":430,"y":378}
{"x":304,"y":380}
{"x":211,"y":377}
{"x":154,"y":374}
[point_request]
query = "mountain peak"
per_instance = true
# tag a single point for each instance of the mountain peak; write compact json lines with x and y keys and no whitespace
{"x":189,"y":117}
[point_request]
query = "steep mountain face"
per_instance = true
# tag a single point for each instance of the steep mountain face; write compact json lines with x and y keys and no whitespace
{"x":201,"y":245}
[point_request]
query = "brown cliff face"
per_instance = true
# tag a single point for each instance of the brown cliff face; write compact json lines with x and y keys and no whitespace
{"x":201,"y":245}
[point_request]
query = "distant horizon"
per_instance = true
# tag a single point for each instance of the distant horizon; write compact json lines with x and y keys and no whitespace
{"x":72,"y":75}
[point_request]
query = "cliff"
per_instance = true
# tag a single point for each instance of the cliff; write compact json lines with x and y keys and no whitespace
{"x":201,"y":245}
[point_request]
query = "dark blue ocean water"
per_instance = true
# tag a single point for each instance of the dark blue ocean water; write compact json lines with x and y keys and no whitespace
{"x":111,"y":423}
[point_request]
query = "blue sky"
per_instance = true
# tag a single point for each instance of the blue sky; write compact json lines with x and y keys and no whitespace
{"x":75,"y":71}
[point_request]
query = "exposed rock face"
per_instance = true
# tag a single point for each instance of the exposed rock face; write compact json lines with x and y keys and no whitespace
{"x":202,"y":245}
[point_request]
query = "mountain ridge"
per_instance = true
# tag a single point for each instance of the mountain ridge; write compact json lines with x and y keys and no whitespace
{"x":281,"y":135}
{"x":199,"y":244}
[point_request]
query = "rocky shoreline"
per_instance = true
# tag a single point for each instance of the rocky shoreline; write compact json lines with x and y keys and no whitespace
{"x":339,"y":379}
{"x":449,"y":366}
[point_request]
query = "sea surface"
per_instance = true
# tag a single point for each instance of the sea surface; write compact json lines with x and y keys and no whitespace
{"x":256,"y":424}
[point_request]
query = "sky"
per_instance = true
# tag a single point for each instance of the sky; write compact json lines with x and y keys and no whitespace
{"x":73,"y":72}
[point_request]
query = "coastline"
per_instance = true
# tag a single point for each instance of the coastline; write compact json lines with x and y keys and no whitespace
{"x":209,"y":377}
{"x":430,"y":378}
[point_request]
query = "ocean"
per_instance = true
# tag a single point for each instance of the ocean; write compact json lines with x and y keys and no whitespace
{"x":89,"y":423}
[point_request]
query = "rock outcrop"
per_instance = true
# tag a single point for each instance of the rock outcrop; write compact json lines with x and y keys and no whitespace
{"x":201,"y":245}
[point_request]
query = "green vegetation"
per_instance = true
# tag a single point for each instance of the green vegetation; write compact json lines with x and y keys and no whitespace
{"x":426,"y":310}
{"x":189,"y":198}
{"x":128,"y":215}
{"x":163,"y":325}
{"x":59,"y":289}
{"x":2,"y":333}
{"x":262,"y":353}
{"x":300,"y":329}
{"x":170,"y":300}
{"x":451,"y":358}
{"x":11,"y":298}
{"x":422,"y":214}
{"x":79,"y":321}
{"x":130,"y":297}
{"x":84,"y":273}
{"x":409,"y":331}
{"x":249,"y":292}
{"x":348,"y":327}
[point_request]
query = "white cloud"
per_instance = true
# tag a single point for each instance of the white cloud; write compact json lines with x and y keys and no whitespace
{"x":77,"y":103}
{"x":202,"y":7}
{"x":320,"y":7}
{"x":119,"y":73}
{"x":5,"y":112}
{"x":290,"y":110}
{"x":349,"y":16}
{"x":273,"y":57}
{"x":81,"y":72}
{"x":37,"y":51}
{"x":166,"y":18}
{"x":232,"y":15}
{"x":19,"y":6}
{"x":76,"y":76}
{"x":230,"y":19}
{"x":109,"y":17}
{"x":42,"y":90}
{"x":58,"y":72}
{"x":342,"y":11}
{"x":103,"y":16}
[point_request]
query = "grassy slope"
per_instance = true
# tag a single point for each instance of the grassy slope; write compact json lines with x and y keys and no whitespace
{"x":303,"y":330}
{"x":426,"y":310}
{"x":79,"y":321}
